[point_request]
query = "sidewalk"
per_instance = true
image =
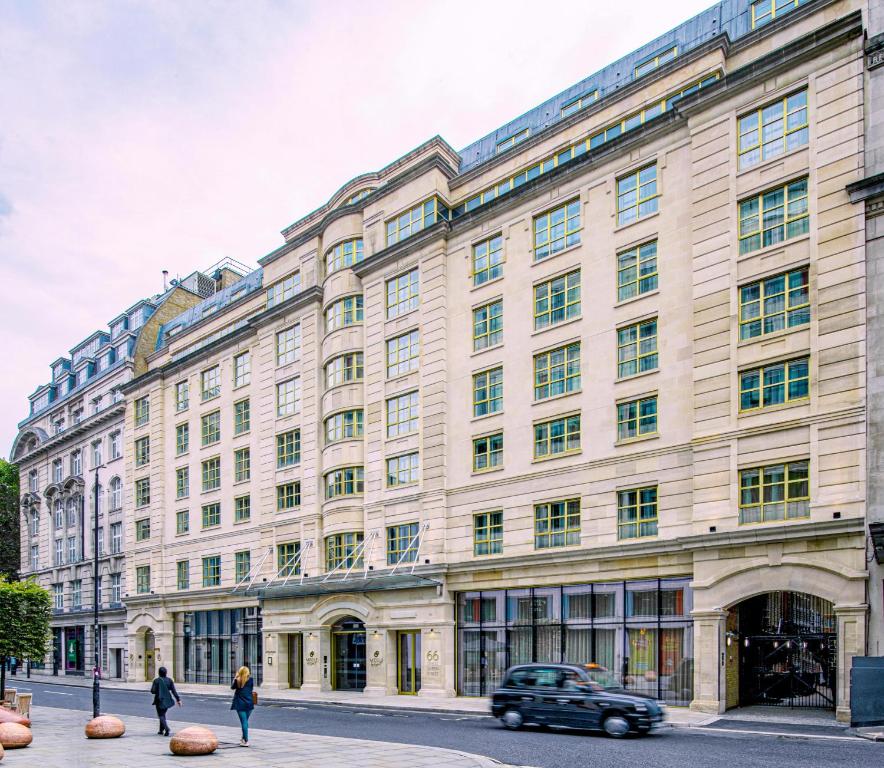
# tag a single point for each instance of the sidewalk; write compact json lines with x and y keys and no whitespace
{"x":680,"y":717}
{"x":59,"y":743}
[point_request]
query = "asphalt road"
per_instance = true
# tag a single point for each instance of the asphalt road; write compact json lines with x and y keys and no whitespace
{"x":671,"y":748}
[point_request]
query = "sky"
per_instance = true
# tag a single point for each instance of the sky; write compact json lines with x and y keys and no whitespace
{"x":142,"y":136}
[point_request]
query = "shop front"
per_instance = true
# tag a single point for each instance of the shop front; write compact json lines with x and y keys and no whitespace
{"x":218,"y":642}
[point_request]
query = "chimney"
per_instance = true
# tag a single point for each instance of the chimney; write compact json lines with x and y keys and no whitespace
{"x":165,"y":280}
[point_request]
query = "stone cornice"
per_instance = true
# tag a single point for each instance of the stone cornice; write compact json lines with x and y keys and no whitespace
{"x":376,"y":261}
{"x":866,"y":189}
{"x":75,"y":431}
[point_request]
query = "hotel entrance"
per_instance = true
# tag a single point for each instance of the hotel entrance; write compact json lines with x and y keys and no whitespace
{"x":348,"y":651}
{"x":409,"y":661}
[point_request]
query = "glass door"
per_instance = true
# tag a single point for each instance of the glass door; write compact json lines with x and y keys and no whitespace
{"x":409,"y":661}
{"x":348,"y":640}
{"x":296,"y":676}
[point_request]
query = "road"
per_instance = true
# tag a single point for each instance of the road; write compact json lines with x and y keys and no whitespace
{"x":672,"y":748}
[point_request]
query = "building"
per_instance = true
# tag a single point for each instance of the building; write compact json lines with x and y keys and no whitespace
{"x":73,"y":438}
{"x":591,"y":389}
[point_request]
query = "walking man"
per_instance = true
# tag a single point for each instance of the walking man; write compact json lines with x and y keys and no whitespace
{"x":163,"y":690}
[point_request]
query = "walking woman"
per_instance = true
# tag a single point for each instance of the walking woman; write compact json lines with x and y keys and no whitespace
{"x":163,"y":690}
{"x":243,"y":700}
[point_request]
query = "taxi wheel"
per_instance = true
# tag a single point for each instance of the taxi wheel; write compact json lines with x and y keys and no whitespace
{"x":513,"y":719}
{"x":615,"y":725}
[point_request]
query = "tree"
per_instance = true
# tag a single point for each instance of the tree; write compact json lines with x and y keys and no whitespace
{"x":25,"y":609}
{"x":10,"y":543}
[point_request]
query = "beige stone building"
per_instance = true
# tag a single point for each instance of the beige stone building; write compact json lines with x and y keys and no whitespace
{"x":591,"y":389}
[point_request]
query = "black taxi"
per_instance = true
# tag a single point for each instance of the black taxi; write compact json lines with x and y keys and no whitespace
{"x":573,"y":696}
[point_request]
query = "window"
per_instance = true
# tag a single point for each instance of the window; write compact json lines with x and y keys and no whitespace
{"x":77,"y":593}
{"x":488,"y":260}
{"x":242,"y":369}
{"x":57,"y":471}
{"x":773,"y":129}
{"x":142,"y":529}
{"x":211,"y":427}
{"x":283,"y":290}
{"x":344,"y":426}
{"x":96,"y":455}
{"x":211,"y":474}
{"x":775,"y":384}
{"x":241,"y":417}
{"x":777,"y":492}
{"x":33,"y":481}
{"x":35,"y":557}
{"x":401,"y":541}
{"x":242,"y":509}
{"x":182,"y":522}
{"x":182,"y":439}
{"x":402,"y":294}
{"x":35,"y":523}
{"x":402,"y":413}
{"x":288,"y":397}
{"x":637,"y":348}
{"x":488,"y":392}
{"x":59,"y":552}
{"x":637,"y":195}
{"x":557,"y":524}
{"x":558,"y":436}
{"x":288,"y":561}
{"x":775,"y":303}
{"x":557,"y":229}
{"x":116,"y":494}
{"x":774,"y":216}
{"x":288,"y":448}
{"x":76,"y":464}
{"x":58,"y":597}
{"x":402,"y":470}
{"x":413,"y":221}
{"x":347,"y":481}
{"x":142,"y":492}
{"x":288,"y":496}
{"x":402,"y":354}
{"x":288,"y":345}
{"x":116,"y":540}
{"x":115,"y":445}
{"x":637,"y":513}
{"x":488,"y":533}
{"x":72,"y":508}
{"x":637,"y":271}
{"x":637,"y":418}
{"x":242,"y":565}
{"x":210,"y":383}
{"x":343,"y":255}
{"x":575,"y":105}
{"x":212,"y":571}
{"x":658,"y":60}
{"x":211,"y":515}
{"x":182,"y":396}
{"x":511,"y":141}
{"x":488,"y":325}
{"x":557,"y":300}
{"x":557,"y":372}
{"x":488,"y":452}
{"x":344,"y":369}
{"x":182,"y":568}
{"x":242,"y":465}
{"x":340,"y":551}
{"x":142,"y":411}
{"x":59,"y":515}
{"x":142,"y":451}
{"x":765,"y":11}
{"x":116,"y":596}
{"x":142,"y":579}
{"x":343,"y":312}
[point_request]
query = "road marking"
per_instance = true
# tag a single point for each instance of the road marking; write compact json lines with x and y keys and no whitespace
{"x":368,"y":714}
{"x":59,"y":693}
{"x":775,"y":733}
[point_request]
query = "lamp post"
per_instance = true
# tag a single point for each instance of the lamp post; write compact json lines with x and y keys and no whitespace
{"x":95,"y":630}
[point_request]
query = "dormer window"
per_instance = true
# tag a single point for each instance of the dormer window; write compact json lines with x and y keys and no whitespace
{"x":575,"y":105}
{"x":512,"y":140}
{"x":655,"y":61}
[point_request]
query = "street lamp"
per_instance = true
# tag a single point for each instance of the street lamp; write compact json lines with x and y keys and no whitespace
{"x":96,"y":694}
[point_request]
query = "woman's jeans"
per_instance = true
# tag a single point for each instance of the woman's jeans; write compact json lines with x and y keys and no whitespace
{"x":244,"y":722}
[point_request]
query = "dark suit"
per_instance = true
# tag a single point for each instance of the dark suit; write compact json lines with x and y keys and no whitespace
{"x":164,"y":698}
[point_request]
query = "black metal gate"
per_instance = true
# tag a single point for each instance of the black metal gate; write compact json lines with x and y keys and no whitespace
{"x":788,"y":653}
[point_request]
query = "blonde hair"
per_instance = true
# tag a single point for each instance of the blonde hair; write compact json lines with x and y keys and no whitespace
{"x":242,"y":676}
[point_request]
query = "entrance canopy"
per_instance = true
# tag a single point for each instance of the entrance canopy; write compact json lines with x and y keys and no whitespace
{"x":321,"y":586}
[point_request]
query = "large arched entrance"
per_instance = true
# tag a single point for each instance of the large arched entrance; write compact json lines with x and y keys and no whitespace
{"x":348,"y":653}
{"x":782,"y":651}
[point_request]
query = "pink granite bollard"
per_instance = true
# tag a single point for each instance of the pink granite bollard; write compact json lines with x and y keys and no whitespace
{"x":194,"y":740}
{"x":1,"y":752}
{"x":14,"y":735}
{"x":105,"y":727}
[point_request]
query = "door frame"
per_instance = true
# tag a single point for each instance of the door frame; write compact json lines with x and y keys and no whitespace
{"x":335,"y":637}
{"x":295,"y":640}
{"x":415,"y":635}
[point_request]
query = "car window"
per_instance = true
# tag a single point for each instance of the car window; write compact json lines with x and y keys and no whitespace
{"x":522,"y":678}
{"x":570,"y":680}
{"x":546,"y":677}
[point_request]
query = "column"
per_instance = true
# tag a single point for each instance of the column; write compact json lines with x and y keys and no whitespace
{"x":275,"y":659}
{"x":379,"y":660}
{"x":709,"y":663}
{"x":438,"y":662}
{"x":313,"y":662}
{"x":851,"y":642}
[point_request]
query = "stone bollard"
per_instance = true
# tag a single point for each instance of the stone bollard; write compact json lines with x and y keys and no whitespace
{"x":105,"y":727}
{"x":14,"y":735}
{"x":194,"y":740}
{"x":1,"y":752}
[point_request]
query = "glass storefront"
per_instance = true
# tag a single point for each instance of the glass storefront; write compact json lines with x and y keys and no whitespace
{"x":217,"y":643}
{"x":641,"y":631}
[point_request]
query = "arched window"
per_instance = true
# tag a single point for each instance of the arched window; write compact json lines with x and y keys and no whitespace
{"x":115,"y":492}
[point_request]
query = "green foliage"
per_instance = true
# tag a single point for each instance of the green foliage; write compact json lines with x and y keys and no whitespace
{"x":25,"y":609}
{"x":10,"y":543}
